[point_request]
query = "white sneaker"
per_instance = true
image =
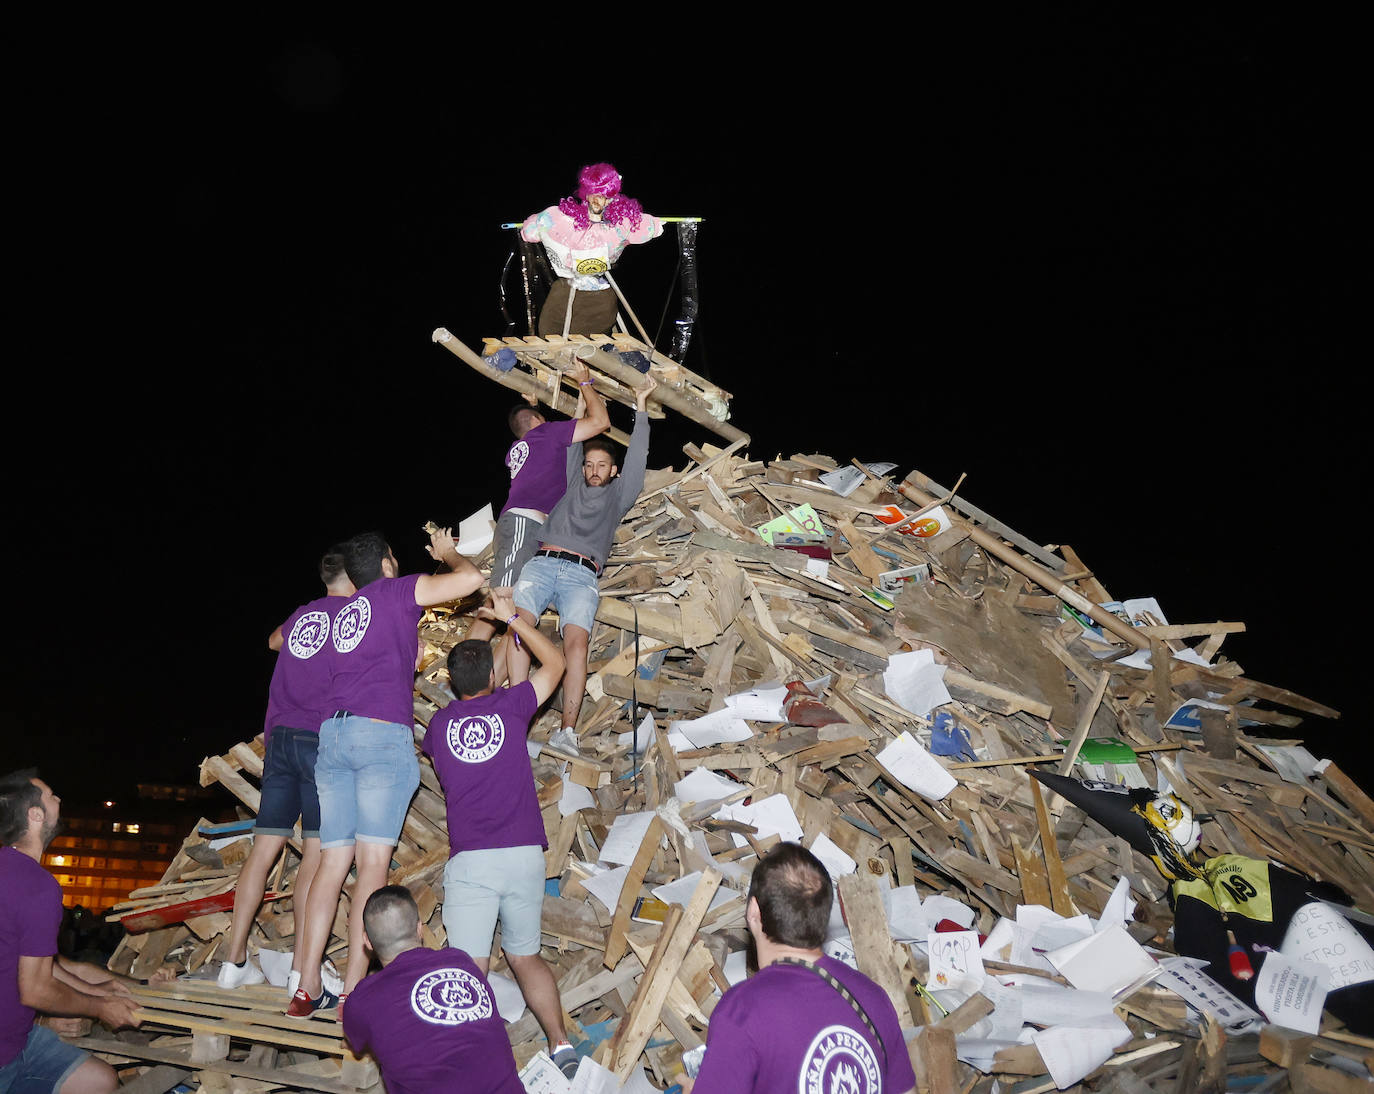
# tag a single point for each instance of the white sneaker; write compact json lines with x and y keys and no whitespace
{"x":237,"y":976}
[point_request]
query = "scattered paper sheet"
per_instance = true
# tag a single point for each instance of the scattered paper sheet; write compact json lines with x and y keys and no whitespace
{"x":1184,"y":978}
{"x":510,"y":1003}
{"x":772,"y":815}
{"x":915,"y":682}
{"x":938,"y":907}
{"x":1005,"y":1021}
{"x":845,"y":480}
{"x":837,"y":864}
{"x":761,"y":704}
{"x":715,"y":728}
{"x":626,"y":834}
{"x":1320,"y":935}
{"x":539,"y":1076}
{"x":1045,"y":1003}
{"x":954,"y":961}
{"x":605,"y":885}
{"x":841,"y":948}
{"x":906,"y":918}
{"x":801,"y":519}
{"x":1073,"y":1052}
{"x":736,"y":967}
{"x":276,"y":966}
{"x":997,"y":945}
{"x":592,"y":1078}
{"x":575,"y":797}
{"x":704,"y":785}
{"x":1108,"y":961}
{"x":1291,"y":993}
{"x":1119,"y":908}
{"x":643,"y":736}
{"x":915,"y":768}
{"x":475,"y":532}
{"x":1293,"y":762}
{"x":681,"y":890}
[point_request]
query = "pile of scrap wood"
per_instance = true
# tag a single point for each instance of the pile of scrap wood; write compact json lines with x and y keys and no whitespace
{"x":676,"y":786}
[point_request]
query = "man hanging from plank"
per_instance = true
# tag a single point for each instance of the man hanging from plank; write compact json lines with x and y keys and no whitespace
{"x":296,"y":701}
{"x":803,"y":1021}
{"x":576,"y":540}
{"x":538,"y":480}
{"x":495,"y":830}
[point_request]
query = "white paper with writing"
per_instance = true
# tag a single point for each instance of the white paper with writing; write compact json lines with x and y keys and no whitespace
{"x":761,"y":704}
{"x":623,"y":840}
{"x":955,"y":962}
{"x":716,"y":728}
{"x":1319,"y":934}
{"x":1291,"y":993}
{"x":1182,"y":977}
{"x":1072,"y":1052}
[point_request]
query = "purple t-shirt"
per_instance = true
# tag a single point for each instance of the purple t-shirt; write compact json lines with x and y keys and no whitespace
{"x":300,"y":685}
{"x":787,"y":1029}
{"x":537,"y":462}
{"x":430,"y":1019}
{"x":30,"y":914}
{"x":479,"y":754}
{"x":372,"y":649}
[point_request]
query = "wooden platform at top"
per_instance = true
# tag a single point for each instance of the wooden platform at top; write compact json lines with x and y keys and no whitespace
{"x":542,"y":362}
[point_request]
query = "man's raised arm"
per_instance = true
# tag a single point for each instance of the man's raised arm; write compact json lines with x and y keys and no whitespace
{"x":463,"y":578}
{"x":597,"y":419}
{"x":637,"y":455}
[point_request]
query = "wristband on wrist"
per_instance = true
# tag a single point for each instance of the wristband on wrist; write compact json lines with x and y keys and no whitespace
{"x":583,"y":383}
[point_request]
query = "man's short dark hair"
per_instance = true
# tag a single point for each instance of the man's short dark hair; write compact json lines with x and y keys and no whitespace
{"x":363,"y":556}
{"x":469,"y":667}
{"x":607,"y":446}
{"x":390,"y":917}
{"x":513,"y":418}
{"x":18,"y":795}
{"x":333,"y":564}
{"x":794,"y":895}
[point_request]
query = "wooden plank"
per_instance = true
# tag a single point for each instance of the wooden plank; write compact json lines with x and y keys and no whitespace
{"x":1060,"y":900}
{"x":873,"y":946}
{"x":648,"y":847}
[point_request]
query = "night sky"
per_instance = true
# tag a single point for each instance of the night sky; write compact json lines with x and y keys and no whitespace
{"x":1105,"y":268}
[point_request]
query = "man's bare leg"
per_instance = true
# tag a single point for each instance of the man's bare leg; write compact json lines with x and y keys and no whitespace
{"x":319,"y":915}
{"x":248,"y":893}
{"x":305,"y":881}
{"x":517,"y":657}
{"x":540,"y":990}
{"x":374,"y":863}
{"x":92,"y":1077}
{"x":575,"y":641}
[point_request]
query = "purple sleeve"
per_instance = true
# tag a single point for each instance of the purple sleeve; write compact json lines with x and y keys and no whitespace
{"x":731,"y":1063}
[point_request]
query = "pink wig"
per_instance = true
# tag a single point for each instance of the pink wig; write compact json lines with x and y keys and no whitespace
{"x":598,"y":178}
{"x":603,"y":179}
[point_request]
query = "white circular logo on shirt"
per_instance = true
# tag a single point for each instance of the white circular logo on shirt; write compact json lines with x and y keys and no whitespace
{"x":309,"y":635}
{"x":476,"y":738}
{"x":519,"y":453}
{"x":839,"y":1061}
{"x":351,"y":624}
{"x":450,"y":997}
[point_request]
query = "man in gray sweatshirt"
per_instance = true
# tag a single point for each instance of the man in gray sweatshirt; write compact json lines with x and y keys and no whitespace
{"x":576,"y":540}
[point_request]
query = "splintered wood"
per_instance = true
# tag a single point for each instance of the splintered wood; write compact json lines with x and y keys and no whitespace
{"x":697,"y":607}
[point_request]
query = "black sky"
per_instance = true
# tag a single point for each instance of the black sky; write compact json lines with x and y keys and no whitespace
{"x":1105,"y":266}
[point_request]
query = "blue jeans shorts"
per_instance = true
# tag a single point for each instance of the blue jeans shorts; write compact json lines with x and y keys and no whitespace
{"x":480,"y":887}
{"x":43,"y":1064}
{"x":366,"y":774}
{"x":570,"y":587}
{"x":288,"y":784}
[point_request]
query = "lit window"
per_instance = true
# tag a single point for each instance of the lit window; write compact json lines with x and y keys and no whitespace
{"x":117,"y":826}
{"x":59,"y":860}
{"x":131,"y":829}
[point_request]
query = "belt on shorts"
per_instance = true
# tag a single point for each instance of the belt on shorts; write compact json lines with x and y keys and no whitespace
{"x":350,"y":714}
{"x":571,"y":556}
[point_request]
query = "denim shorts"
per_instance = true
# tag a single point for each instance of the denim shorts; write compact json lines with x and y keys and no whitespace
{"x":480,"y":887}
{"x":517,"y":538}
{"x":288,"y":784}
{"x":570,"y":587}
{"x":43,"y":1064}
{"x":366,"y":775}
